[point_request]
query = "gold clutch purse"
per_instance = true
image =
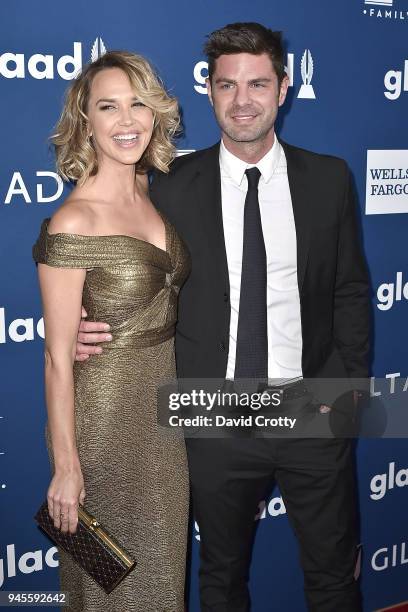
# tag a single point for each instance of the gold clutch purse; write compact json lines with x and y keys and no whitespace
{"x":91,"y":546}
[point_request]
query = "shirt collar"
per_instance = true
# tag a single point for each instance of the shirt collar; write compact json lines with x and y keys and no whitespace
{"x":234,"y":168}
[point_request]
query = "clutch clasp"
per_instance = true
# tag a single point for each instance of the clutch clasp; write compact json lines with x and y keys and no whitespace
{"x":94,"y":524}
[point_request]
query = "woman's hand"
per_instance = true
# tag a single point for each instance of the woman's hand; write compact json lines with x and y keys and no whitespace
{"x":65,"y":492}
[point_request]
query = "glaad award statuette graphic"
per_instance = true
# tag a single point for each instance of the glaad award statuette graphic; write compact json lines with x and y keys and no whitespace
{"x":306,"y":90}
{"x":98,"y":49}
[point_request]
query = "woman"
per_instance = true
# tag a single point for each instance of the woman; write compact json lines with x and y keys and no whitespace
{"x":108,"y":248}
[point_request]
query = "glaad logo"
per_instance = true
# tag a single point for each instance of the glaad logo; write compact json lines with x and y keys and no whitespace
{"x":19,"y":330}
{"x":42,"y":66}
{"x":383,"y":11}
{"x":381,"y":483}
{"x":39,"y":66}
{"x":306,"y":91}
{"x":387,"y":182}
{"x":28,"y":563}
{"x":394,"y":84}
{"x":389,"y":293}
{"x":274,"y":507}
{"x":384,"y":558}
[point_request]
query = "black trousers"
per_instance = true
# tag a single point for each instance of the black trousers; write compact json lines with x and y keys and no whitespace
{"x":229,"y":477}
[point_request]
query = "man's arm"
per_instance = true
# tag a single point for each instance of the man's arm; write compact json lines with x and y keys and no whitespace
{"x":351,"y":326}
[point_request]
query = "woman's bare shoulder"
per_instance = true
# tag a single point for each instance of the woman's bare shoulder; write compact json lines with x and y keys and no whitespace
{"x":74,"y":216}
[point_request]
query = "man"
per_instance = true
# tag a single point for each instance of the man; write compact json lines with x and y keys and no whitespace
{"x":278,"y":290}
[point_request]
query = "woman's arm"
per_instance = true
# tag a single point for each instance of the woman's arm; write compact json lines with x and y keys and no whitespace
{"x":61,"y":292}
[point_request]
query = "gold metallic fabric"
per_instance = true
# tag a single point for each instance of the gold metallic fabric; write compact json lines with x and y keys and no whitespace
{"x":135,"y":472}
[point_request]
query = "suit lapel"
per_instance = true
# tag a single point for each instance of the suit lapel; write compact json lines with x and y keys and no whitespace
{"x":208,"y":193}
{"x":300,"y":190}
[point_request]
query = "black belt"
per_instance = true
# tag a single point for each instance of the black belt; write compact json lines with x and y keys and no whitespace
{"x":288,"y":391}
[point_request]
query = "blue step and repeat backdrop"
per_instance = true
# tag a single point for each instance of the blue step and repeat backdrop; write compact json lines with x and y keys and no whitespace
{"x":352,"y":102}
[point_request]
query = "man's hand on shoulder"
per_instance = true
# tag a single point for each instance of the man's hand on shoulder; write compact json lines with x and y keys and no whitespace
{"x":89,"y":333}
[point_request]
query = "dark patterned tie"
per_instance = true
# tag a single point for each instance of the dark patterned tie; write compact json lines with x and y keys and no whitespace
{"x":252,"y":337}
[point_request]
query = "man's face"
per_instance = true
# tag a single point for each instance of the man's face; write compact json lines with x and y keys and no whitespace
{"x":246,"y":96}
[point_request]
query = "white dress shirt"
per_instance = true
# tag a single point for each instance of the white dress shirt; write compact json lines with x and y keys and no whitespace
{"x":278,"y":225}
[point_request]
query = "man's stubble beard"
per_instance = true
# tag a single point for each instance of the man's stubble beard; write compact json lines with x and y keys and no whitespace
{"x":246,"y":134}
{"x":249,"y":136}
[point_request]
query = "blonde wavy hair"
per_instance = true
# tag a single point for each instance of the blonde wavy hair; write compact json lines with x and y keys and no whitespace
{"x":76,"y":158}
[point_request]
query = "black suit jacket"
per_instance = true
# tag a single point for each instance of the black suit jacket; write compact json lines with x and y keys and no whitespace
{"x":332,"y":275}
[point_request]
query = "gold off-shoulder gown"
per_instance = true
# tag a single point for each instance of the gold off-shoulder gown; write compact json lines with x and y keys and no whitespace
{"x":135,"y":473}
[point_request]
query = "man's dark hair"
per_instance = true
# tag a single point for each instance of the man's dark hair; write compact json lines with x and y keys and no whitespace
{"x":245,"y":38}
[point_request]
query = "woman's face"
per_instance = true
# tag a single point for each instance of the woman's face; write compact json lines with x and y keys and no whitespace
{"x":120,"y":125}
